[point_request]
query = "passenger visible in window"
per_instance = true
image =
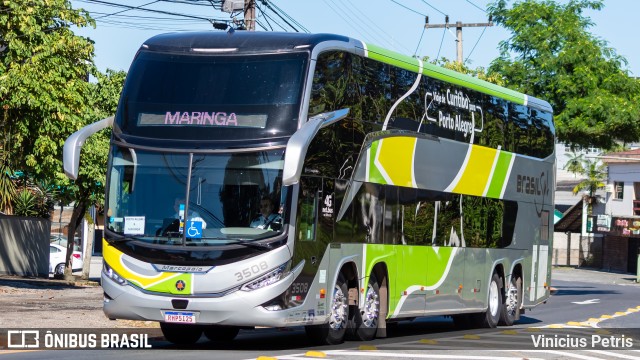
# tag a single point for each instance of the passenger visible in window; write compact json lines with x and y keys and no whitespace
{"x":267,"y":219}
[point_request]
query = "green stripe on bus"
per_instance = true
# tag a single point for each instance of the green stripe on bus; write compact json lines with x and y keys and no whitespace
{"x":393,"y":58}
{"x":375,"y":176}
{"x":472,"y":83}
{"x":499,"y":174}
{"x":408,"y":63}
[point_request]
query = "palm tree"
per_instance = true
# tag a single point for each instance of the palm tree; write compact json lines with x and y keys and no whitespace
{"x":574,"y":164}
{"x":594,"y":175}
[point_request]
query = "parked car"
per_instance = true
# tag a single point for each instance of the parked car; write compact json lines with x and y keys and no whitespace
{"x":60,"y":239}
{"x":57,"y":255}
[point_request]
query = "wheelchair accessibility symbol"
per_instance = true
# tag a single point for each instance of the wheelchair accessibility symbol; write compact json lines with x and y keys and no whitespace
{"x":194,"y":229}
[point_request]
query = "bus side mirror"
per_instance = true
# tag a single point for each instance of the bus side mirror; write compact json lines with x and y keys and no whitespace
{"x":299,"y":143}
{"x":73,"y":144}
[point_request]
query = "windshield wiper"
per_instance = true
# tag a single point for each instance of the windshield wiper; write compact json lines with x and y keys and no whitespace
{"x":245,"y":242}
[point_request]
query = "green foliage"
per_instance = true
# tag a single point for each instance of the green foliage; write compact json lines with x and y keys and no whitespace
{"x":7,"y":188}
{"x":593,"y":176}
{"x":552,"y":55}
{"x":25,"y":203}
{"x":44,"y":69}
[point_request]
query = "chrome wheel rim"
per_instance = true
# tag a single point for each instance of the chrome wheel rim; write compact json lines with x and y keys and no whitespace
{"x":339,"y":309}
{"x":493,"y":298}
{"x":371,"y":308}
{"x":512,"y":299}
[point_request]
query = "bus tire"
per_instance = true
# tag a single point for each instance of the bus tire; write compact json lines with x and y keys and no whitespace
{"x":491,"y":317}
{"x":512,"y":301}
{"x":181,"y":334}
{"x":220,"y":333}
{"x":333,"y":332}
{"x":364,"y":323}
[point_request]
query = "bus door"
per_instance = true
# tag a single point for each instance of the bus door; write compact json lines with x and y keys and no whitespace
{"x":314,"y":233}
{"x":445,"y":259}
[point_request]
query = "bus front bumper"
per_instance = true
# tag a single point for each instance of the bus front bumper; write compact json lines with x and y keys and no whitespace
{"x":239,"y":308}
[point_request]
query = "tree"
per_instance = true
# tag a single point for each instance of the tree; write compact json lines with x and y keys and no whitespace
{"x":551,"y":55}
{"x":575,"y":162}
{"x":593,"y":174}
{"x":44,"y":69}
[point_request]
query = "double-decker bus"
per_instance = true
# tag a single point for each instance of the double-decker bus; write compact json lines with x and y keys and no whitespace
{"x":398,"y":189}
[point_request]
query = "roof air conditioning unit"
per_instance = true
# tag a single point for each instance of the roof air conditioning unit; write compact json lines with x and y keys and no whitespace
{"x":231,"y":6}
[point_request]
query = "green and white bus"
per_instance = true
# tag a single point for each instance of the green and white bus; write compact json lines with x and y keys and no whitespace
{"x":400,"y":189}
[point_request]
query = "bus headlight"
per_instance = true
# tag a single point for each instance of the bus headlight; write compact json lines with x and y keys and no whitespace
{"x":108,"y":271}
{"x":270,"y":278}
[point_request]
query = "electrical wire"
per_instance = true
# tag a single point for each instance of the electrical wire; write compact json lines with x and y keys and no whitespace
{"x":408,"y":8}
{"x":121,"y":11}
{"x":477,"y":7}
{"x":419,"y":41}
{"x":101,"y":2}
{"x":444,"y":31}
{"x":476,"y":44}
{"x":280,"y":16}
{"x":287,"y":16}
{"x":434,"y":8}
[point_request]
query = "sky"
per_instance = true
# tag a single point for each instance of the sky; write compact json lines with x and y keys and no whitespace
{"x":393,"y":24}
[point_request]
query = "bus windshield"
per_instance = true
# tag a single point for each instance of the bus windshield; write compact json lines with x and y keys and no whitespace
{"x":231,"y":196}
{"x":212,"y":97}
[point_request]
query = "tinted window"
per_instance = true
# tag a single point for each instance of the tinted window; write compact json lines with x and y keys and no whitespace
{"x":212,"y":97}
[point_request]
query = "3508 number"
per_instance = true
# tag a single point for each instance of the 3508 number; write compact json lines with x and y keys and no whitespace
{"x":250,"y":271}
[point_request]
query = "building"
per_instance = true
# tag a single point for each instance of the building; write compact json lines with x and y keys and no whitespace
{"x":619,"y":223}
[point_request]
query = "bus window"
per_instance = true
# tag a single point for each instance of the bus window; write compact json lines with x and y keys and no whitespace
{"x":308,"y":209}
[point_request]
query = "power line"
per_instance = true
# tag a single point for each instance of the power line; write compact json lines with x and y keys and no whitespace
{"x":434,"y":8}
{"x":441,"y":41}
{"x":280,"y":16}
{"x":121,"y":11}
{"x":143,"y":9}
{"x":419,"y":41}
{"x":477,"y":7}
{"x":476,"y":44}
{"x":408,"y":8}
{"x":287,"y":15}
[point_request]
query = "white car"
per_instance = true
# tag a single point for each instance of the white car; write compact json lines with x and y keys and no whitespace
{"x":57,"y":255}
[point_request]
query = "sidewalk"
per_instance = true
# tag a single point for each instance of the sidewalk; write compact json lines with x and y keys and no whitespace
{"x":566,"y":273}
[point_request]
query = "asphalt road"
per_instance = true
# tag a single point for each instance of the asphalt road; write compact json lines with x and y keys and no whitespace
{"x":590,"y":305}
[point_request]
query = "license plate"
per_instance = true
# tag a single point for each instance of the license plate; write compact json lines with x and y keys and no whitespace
{"x":183,"y":317}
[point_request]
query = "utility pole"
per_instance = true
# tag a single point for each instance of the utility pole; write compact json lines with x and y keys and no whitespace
{"x":459,"y":25}
{"x":250,"y":15}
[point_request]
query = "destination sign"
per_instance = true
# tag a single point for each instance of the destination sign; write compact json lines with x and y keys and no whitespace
{"x":203,"y":119}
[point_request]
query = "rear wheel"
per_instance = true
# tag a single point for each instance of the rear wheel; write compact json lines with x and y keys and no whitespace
{"x":221,"y":333}
{"x":512,"y":301}
{"x":333,"y":332}
{"x":181,"y":334}
{"x":365,"y":321}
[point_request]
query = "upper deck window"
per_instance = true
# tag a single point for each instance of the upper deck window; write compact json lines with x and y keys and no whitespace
{"x":211,"y":97}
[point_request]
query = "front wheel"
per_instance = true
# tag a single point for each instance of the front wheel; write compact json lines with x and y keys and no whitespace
{"x":181,"y":334}
{"x":333,"y":332}
{"x":490,"y":318}
{"x":365,"y":321}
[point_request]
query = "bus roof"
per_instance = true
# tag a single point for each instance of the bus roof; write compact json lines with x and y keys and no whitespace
{"x":246,"y":42}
